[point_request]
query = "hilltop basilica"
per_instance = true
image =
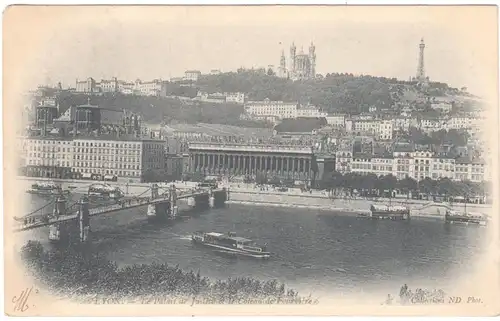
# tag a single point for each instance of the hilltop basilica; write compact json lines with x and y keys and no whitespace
{"x":300,"y":66}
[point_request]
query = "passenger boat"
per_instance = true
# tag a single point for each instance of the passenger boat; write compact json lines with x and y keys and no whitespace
{"x":46,"y":189}
{"x":395,"y":213}
{"x":230,"y":244}
{"x":455,"y":217}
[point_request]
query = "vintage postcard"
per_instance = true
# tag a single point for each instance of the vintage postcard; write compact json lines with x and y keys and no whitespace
{"x":250,"y":160}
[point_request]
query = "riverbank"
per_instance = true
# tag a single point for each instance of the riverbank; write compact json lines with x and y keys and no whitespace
{"x":418,"y":208}
{"x":84,"y":275}
{"x":248,"y":194}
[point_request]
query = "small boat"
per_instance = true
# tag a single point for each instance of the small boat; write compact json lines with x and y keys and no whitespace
{"x":230,"y":244}
{"x":46,"y":189}
{"x":454,"y":217}
{"x":384,"y":212}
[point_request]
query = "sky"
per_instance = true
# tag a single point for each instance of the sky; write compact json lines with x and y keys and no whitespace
{"x":66,"y":43}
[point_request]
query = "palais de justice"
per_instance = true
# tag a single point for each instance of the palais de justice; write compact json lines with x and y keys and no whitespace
{"x":294,"y":162}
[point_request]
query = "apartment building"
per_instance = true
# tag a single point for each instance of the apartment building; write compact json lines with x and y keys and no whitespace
{"x":336,"y":120}
{"x":309,"y":111}
{"x":235,"y":98}
{"x":128,"y":157}
{"x":123,"y":157}
{"x":417,"y":165}
{"x":192,"y":75}
{"x":443,"y":167}
{"x":47,"y":157}
{"x":267,"y":107}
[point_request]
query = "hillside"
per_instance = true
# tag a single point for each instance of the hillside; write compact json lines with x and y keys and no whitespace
{"x":156,"y":110}
{"x":333,"y":93}
{"x":345,"y":93}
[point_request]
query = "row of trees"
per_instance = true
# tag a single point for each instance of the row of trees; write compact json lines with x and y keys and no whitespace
{"x":83,"y":272}
{"x":453,"y":137}
{"x":373,"y":185}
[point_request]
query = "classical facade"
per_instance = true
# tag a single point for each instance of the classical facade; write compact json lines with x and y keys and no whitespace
{"x":242,"y":159}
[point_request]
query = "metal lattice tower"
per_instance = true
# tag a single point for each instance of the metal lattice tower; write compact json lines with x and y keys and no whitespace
{"x":421,"y":66}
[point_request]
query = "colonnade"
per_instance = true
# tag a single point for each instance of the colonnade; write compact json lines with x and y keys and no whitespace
{"x":293,"y":166}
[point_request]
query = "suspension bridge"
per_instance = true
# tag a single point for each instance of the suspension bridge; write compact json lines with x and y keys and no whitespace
{"x":84,"y":208}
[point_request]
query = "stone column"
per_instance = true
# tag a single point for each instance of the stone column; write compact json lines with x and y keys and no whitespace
{"x":244,"y":164}
{"x":209,"y":163}
{"x":295,"y":166}
{"x":307,"y":168}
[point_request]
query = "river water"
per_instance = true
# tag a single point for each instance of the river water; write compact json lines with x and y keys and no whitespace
{"x":314,"y":251}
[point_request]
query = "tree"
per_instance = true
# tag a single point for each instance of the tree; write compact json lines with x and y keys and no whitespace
{"x":368,"y":183}
{"x":388,"y":183}
{"x":408,"y":185}
{"x":270,"y":72}
{"x":427,"y":186}
{"x":446,"y":187}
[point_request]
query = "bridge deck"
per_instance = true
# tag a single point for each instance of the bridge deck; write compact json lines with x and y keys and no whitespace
{"x":132,"y":203}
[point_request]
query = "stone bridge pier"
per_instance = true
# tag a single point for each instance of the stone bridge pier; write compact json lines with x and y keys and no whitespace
{"x":200,"y":201}
{"x":218,"y":198}
{"x":162,"y":210}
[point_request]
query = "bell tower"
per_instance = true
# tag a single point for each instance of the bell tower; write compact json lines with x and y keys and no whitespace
{"x":293,"y":52}
{"x":312,"y":60}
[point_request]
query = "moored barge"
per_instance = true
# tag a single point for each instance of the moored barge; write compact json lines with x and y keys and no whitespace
{"x":455,"y":217}
{"x":384,"y":212}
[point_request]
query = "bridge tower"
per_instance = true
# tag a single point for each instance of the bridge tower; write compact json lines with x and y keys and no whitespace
{"x":84,"y":219}
{"x":173,"y":201}
{"x":154,"y":191}
{"x":55,"y":230}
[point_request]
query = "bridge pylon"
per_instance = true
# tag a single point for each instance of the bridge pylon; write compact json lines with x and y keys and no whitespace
{"x":173,"y":201}
{"x":84,"y":219}
{"x":55,"y":230}
{"x":154,"y":191}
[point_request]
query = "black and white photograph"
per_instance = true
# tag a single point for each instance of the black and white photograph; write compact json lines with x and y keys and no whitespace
{"x":251,"y":160}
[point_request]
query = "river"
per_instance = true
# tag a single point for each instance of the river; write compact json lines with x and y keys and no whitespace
{"x":314,"y":251}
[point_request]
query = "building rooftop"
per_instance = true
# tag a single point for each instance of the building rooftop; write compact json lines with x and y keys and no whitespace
{"x":300,"y":125}
{"x":221,"y":130}
{"x":123,"y":137}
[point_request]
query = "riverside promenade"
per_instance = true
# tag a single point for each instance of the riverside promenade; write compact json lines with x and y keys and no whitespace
{"x":250,"y":194}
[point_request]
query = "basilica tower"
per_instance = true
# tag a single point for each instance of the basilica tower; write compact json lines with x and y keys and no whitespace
{"x":293,"y":53}
{"x":312,"y":60}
